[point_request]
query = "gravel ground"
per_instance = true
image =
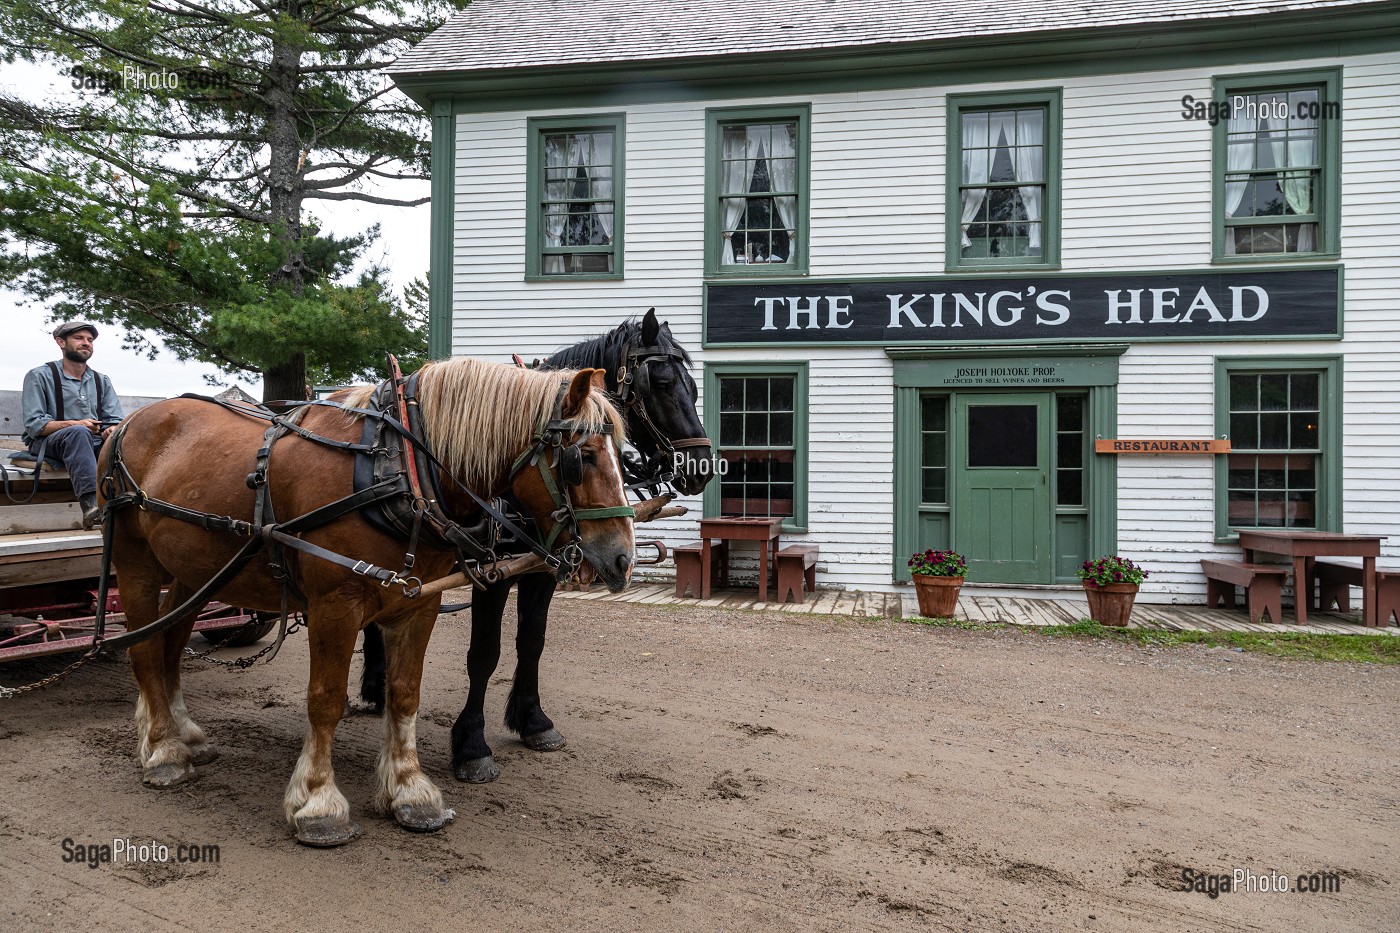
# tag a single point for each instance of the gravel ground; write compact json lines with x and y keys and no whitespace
{"x":742,"y":771}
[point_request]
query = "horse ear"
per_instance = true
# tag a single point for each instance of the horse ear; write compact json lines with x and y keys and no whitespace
{"x":579,"y":388}
{"x":599,"y":383}
{"x":651,"y":329}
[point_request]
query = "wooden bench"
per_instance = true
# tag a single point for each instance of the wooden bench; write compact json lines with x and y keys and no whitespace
{"x":1263,"y":585}
{"x":1335,"y":580}
{"x":688,"y":566}
{"x":797,"y":564}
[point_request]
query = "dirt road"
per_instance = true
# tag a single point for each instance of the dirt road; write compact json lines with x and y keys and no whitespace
{"x":746,"y":771}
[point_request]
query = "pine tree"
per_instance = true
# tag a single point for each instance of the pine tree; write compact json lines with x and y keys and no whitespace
{"x":177,"y":194}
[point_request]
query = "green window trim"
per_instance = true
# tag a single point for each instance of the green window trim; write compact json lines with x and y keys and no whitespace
{"x":797,"y":523}
{"x":1329,"y":485}
{"x":715,"y":121}
{"x":958,"y":104}
{"x":1329,"y":215}
{"x":442,"y":229}
{"x":536,"y":129}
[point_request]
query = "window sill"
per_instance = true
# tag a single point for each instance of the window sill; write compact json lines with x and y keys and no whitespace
{"x":984,"y":267}
{"x":1265,"y":258}
{"x":585,"y":277}
{"x":757,"y":271}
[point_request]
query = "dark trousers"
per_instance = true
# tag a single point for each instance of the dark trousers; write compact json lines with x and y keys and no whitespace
{"x":77,"y":447}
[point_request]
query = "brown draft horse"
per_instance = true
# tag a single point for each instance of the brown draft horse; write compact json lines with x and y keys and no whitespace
{"x":477,"y":418}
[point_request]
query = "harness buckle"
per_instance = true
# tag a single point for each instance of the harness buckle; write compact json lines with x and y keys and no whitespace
{"x":362,"y":567}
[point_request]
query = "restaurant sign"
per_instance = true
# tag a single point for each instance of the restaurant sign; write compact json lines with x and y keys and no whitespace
{"x":1125,"y":307}
{"x":1123,"y":445}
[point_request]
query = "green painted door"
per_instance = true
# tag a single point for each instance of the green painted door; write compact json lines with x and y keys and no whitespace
{"x":1002,"y":480}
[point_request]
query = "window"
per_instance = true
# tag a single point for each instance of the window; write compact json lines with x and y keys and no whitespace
{"x":1283,"y":422}
{"x":1003,"y":180}
{"x":756,"y":191}
{"x":1069,"y":449}
{"x":933,"y":431}
{"x":1276,"y":159}
{"x":574,"y":188}
{"x":758,"y":414}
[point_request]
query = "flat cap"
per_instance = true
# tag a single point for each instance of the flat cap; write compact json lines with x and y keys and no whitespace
{"x":69,"y":327}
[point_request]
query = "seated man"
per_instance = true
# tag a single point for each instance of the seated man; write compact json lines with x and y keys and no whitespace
{"x":66,"y":406}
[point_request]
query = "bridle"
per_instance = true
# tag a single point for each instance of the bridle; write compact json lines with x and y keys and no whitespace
{"x":632,"y":371}
{"x":568,"y":460}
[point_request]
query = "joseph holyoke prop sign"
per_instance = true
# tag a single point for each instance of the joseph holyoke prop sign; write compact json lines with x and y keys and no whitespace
{"x":1212,"y":305}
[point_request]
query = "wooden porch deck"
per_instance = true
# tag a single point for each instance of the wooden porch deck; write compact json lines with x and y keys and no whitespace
{"x":974,"y":608}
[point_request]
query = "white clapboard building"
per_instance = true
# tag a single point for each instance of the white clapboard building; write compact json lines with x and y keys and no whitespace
{"x":931,"y":256}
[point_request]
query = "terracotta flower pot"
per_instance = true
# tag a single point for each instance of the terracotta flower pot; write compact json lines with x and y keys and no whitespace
{"x":1112,"y":603}
{"x":938,"y":596}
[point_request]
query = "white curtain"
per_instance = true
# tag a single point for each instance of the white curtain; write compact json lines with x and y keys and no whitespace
{"x":556,"y":188}
{"x":976,"y":159}
{"x":602,"y":188}
{"x":782,"y":170}
{"x":740,"y":151}
{"x":1297,"y":187}
{"x":1030,"y":164}
{"x":1239,"y":157}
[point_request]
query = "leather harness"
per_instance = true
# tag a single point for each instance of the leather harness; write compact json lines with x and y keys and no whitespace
{"x":396,"y":488}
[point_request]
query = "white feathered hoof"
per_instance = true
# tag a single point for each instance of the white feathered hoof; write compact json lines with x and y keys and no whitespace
{"x":326,"y":832}
{"x":167,"y":775}
{"x":422,"y":818}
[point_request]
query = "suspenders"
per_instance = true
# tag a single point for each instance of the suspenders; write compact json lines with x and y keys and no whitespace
{"x":58,"y":390}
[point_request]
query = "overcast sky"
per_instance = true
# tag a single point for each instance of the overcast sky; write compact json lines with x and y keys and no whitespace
{"x":27,"y":340}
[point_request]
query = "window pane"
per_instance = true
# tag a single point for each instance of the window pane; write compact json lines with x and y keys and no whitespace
{"x":1268,"y":486}
{"x":1002,"y":436}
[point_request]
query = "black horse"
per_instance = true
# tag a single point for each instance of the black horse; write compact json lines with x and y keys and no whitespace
{"x":648,"y":373}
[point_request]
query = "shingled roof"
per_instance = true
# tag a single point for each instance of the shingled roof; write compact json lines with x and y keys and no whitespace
{"x":492,"y":35}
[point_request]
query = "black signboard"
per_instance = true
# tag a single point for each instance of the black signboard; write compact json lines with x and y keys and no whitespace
{"x":1211,"y":305}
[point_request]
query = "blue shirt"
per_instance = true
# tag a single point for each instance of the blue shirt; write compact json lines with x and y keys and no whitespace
{"x":79,"y":399}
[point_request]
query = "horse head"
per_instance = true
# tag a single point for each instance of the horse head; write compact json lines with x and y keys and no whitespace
{"x":575,"y":491}
{"x":661,"y":380}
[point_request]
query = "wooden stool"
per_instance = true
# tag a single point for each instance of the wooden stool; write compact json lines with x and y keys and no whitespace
{"x":1263,"y":585}
{"x":797,"y":564}
{"x":688,"y":566}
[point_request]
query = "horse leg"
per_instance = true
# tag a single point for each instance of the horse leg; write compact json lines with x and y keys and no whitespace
{"x":165,"y":757}
{"x":372,"y":678}
{"x":315,"y":807}
{"x":523,"y":713}
{"x":471,"y":756}
{"x":176,"y":638}
{"x":404,"y":791}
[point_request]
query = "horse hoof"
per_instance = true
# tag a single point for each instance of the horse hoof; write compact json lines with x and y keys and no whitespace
{"x":203,"y":754}
{"x":325,"y":832}
{"x":422,"y":819}
{"x":478,"y":771}
{"x":167,"y":775}
{"x":547,"y":741}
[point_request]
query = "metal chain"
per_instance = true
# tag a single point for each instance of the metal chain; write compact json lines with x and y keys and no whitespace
{"x":9,"y":693}
{"x":245,"y":662}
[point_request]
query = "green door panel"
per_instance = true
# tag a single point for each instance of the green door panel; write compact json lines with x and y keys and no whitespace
{"x":1002,"y":479}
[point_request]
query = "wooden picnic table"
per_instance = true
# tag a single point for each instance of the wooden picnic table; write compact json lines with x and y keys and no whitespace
{"x":763,"y":530}
{"x":1304,"y":547}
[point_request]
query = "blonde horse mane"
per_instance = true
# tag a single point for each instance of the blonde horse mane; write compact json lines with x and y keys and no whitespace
{"x":478,"y":416}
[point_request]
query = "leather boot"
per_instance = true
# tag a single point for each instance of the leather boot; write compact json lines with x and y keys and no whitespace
{"x":92,"y":515}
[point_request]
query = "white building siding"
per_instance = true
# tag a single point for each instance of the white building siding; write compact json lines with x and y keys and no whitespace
{"x":1136,"y":195}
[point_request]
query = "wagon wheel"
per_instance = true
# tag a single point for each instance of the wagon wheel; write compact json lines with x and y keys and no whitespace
{"x":243,"y":635}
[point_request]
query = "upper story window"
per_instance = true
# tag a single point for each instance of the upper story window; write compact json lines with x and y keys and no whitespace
{"x":575,"y":198}
{"x":1003,"y":180}
{"x":756,"y":191}
{"x":1276,"y":167}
